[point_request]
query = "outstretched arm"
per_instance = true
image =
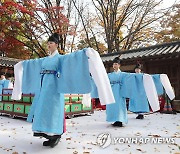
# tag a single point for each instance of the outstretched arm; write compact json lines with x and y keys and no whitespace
{"x":151,"y":92}
{"x":27,"y":77}
{"x":18,"y":73}
{"x":167,"y":86}
{"x":75,"y":74}
{"x":140,"y":87}
{"x":100,"y":77}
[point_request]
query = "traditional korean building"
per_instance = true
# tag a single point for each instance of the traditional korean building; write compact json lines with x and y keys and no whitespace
{"x":7,"y":65}
{"x":162,"y":58}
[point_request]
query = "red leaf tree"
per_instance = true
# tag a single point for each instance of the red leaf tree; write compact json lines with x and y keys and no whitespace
{"x":25,"y":24}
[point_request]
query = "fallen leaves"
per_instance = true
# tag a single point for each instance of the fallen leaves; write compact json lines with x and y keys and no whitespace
{"x":138,"y":134}
{"x":175,"y":136}
{"x":82,"y":140}
{"x":155,"y":135}
{"x":92,"y":143}
{"x":156,"y":150}
{"x":116,"y":149}
{"x":138,"y":149}
{"x":70,"y":148}
{"x":141,"y":150}
{"x":177,"y":133}
{"x":6,"y":149}
{"x":89,"y":148}
{"x":86,"y":152}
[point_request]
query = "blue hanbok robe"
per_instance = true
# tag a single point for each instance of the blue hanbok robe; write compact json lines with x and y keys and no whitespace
{"x":118,"y":110}
{"x":158,"y":84}
{"x":125,"y":85}
{"x":3,"y":84}
{"x":140,"y":104}
{"x":94,"y":91}
{"x":67,"y":74}
{"x":72,"y":76}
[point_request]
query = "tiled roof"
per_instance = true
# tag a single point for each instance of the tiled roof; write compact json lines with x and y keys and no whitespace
{"x":8,"y":62}
{"x":147,"y":52}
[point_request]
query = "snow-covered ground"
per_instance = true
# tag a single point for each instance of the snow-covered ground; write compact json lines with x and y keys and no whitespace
{"x":82,"y":132}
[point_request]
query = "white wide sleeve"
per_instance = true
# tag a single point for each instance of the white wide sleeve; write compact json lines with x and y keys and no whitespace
{"x":167,"y":86}
{"x":10,"y":85}
{"x":86,"y":100}
{"x":151,"y":92}
{"x":100,"y":77}
{"x":18,"y":73}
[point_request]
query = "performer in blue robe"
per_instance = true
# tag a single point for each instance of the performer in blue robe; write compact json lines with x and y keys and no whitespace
{"x":139,"y":106}
{"x":142,"y":106}
{"x":127,"y":85}
{"x":47,"y":111}
{"x":121,"y":84}
{"x":3,"y":84}
{"x":117,"y":112}
{"x":49,"y":78}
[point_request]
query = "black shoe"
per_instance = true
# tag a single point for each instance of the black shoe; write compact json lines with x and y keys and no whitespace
{"x":54,"y":142}
{"x":40,"y":135}
{"x":140,"y":116}
{"x":46,"y":136}
{"x":47,"y":143}
{"x":117,"y":124}
{"x":174,"y":112}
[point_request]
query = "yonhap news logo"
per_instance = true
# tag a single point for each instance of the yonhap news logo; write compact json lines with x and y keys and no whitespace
{"x":105,"y":139}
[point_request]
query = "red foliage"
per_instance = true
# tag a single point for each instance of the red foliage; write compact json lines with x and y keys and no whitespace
{"x":22,"y":19}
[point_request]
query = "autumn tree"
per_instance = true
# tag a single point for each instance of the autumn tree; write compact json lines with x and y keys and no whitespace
{"x":90,"y":31}
{"x":129,"y":18}
{"x":10,"y":42}
{"x":84,"y":44}
{"x":31,"y":21}
{"x":169,"y":29}
{"x":124,"y":23}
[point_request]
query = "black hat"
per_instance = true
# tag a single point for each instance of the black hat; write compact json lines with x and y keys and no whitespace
{"x":139,"y":66}
{"x":54,"y":38}
{"x":8,"y":75}
{"x":2,"y":74}
{"x":117,"y":60}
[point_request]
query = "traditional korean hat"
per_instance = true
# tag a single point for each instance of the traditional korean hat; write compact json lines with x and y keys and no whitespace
{"x":54,"y":38}
{"x":139,"y":66}
{"x":116,"y":60}
{"x":2,"y":74}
